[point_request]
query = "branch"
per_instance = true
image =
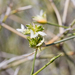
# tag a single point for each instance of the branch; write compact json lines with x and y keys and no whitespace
{"x":7,"y":12}
{"x":53,"y":59}
{"x":58,"y":36}
{"x":69,"y":38}
{"x":13,"y":30}
{"x":65,"y":11}
{"x":17,"y":70}
{"x":58,"y":15}
{"x":49,"y":23}
{"x":21,"y":9}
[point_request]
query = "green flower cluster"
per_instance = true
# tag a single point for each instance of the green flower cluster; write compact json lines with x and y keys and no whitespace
{"x":33,"y":42}
{"x":35,"y":34}
{"x":35,"y":28}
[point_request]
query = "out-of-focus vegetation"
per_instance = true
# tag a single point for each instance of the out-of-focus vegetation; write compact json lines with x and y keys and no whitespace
{"x":15,"y":45}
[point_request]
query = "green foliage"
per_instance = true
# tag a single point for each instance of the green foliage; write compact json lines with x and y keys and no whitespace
{"x":27,"y":31}
{"x":34,"y":41}
{"x":30,"y":26}
{"x":39,"y":28}
{"x":35,"y":28}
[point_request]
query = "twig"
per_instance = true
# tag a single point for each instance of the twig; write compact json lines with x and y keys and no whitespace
{"x":13,"y":30}
{"x":7,"y":55}
{"x":21,"y":9}
{"x":73,"y":23}
{"x":16,"y":71}
{"x":22,"y":60}
{"x":58,"y":16}
{"x":52,"y":24}
{"x":33,"y":63}
{"x":56,"y":25}
{"x":57,"y":36}
{"x":15,"y":59}
{"x":56,"y":12}
{"x":65,"y":11}
{"x":7,"y":12}
{"x":61,"y":41}
{"x":18,"y":62}
{"x":5,"y":64}
{"x":62,"y":47}
{"x":53,"y":59}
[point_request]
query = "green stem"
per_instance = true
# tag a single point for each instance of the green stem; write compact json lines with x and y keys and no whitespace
{"x":56,"y":25}
{"x":33,"y":63}
{"x":49,"y":23}
{"x":47,"y":64}
{"x":5,"y":17}
{"x":61,"y":41}
{"x":73,"y":22}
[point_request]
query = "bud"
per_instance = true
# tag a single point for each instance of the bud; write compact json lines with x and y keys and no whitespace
{"x":40,"y":18}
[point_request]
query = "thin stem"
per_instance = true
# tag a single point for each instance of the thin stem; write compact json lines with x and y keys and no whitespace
{"x":49,"y":23}
{"x":65,"y":11}
{"x":73,"y":22}
{"x":57,"y":15}
{"x":33,"y":63}
{"x":21,"y":9}
{"x":61,"y":41}
{"x":5,"y":17}
{"x":56,"y":25}
{"x":54,"y":58}
{"x":56,"y":12}
{"x":13,"y":30}
{"x":65,"y":31}
{"x":7,"y":13}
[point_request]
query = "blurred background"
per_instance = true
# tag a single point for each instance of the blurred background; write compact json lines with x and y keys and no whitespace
{"x":13,"y":45}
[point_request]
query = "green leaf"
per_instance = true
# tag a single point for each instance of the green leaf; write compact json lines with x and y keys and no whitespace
{"x":29,"y":26}
{"x":39,"y":28}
